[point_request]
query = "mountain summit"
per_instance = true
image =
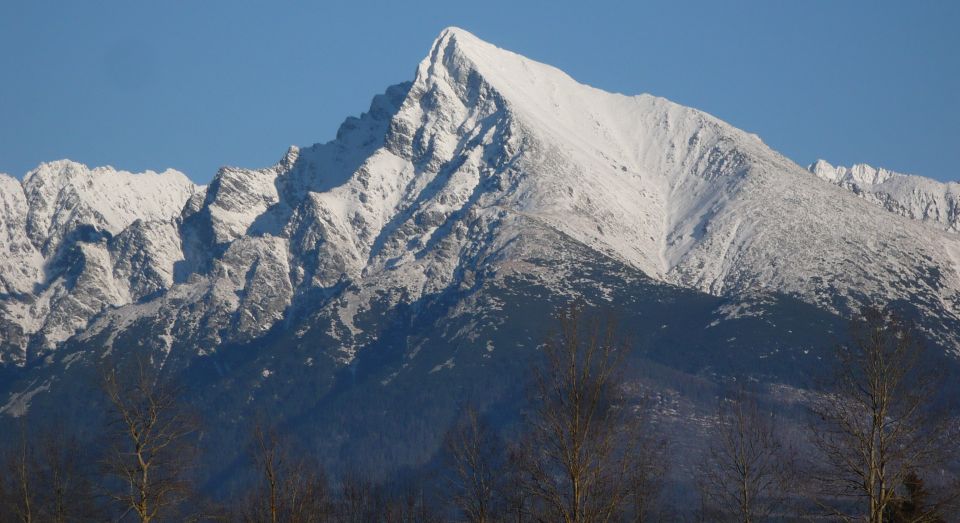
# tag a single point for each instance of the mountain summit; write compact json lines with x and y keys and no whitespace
{"x":392,"y":255}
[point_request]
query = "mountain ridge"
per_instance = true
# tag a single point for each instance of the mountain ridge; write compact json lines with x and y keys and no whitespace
{"x":916,"y":197}
{"x":445,"y":180}
{"x":58,"y":224}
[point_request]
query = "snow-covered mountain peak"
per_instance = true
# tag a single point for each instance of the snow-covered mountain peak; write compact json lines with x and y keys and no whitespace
{"x":547,"y":101}
{"x":647,"y":170}
{"x":459,"y":50}
{"x":468,"y":64}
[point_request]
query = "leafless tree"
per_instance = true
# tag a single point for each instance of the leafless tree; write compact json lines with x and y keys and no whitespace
{"x":151,"y":443}
{"x":877,"y":424}
{"x":745,"y":473}
{"x":67,"y":490}
{"x":515,"y":496}
{"x":359,"y":501}
{"x":581,"y":455}
{"x":45,"y":479}
{"x":913,"y":504}
{"x":409,"y":504}
{"x":475,"y":459}
{"x":290,"y":489}
{"x":20,"y":483}
{"x":647,"y":479}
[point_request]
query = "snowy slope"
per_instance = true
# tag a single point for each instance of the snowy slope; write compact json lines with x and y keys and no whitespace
{"x":907,"y":195}
{"x":457,"y":178}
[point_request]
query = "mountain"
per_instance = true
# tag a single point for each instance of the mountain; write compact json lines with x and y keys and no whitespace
{"x":370,"y":285}
{"x":915,"y":197}
{"x":76,"y":241}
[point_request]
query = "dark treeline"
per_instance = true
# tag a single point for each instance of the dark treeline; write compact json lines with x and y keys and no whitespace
{"x":874,"y":449}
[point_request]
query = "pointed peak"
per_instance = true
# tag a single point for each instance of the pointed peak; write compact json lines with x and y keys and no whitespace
{"x":458,"y":37}
{"x":290,"y":158}
{"x":460,"y":57}
{"x":457,"y":41}
{"x":454,"y":31}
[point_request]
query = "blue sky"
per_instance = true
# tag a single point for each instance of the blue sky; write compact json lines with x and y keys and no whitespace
{"x":198,"y":84}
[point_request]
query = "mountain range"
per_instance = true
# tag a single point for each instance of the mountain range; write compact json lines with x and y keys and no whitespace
{"x":365,"y":288}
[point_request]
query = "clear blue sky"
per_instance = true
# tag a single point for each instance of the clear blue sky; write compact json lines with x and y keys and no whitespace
{"x":198,"y":84}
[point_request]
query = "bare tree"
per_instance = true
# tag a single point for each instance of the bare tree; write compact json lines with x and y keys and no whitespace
{"x":648,"y":477}
{"x":67,"y":490}
{"x":6,"y":494}
{"x":913,"y":503}
{"x":20,"y":482}
{"x":877,"y":424}
{"x":409,"y":504}
{"x":290,"y":489}
{"x":581,"y":454}
{"x":515,"y":496}
{"x":745,"y":472}
{"x":360,"y":501}
{"x":151,"y":443}
{"x":45,"y":479}
{"x":475,"y":458}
